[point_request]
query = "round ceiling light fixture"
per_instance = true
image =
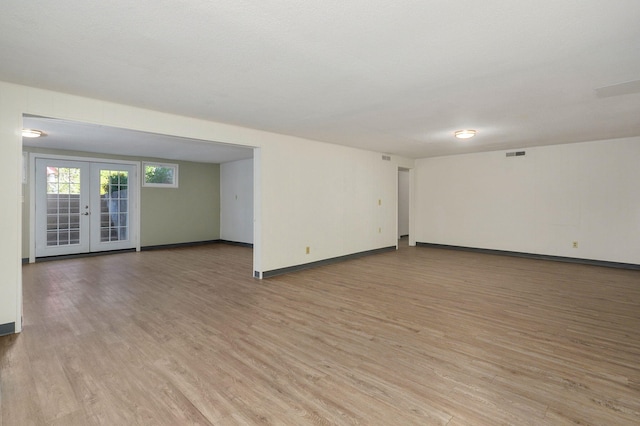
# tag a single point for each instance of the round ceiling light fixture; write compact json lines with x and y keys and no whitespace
{"x":464,"y":134}
{"x":31,"y":133}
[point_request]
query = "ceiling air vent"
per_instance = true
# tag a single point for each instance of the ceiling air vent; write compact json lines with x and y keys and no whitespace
{"x":386,"y":157}
{"x":515,"y":154}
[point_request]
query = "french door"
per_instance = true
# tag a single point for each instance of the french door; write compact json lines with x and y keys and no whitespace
{"x":84,"y":207}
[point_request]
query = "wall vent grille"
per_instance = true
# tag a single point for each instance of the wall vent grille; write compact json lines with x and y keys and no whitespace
{"x":515,"y":154}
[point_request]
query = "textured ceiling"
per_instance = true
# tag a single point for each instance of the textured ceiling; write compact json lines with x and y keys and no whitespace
{"x":395,"y":76}
{"x":75,"y":136}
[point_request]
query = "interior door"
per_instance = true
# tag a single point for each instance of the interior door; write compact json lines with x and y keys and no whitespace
{"x":84,"y":207}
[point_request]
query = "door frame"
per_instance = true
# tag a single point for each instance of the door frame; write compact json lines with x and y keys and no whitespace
{"x":135,"y":213}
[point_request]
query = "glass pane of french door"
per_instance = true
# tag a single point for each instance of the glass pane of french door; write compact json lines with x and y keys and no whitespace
{"x":112,"y":221}
{"x":62,"y":207}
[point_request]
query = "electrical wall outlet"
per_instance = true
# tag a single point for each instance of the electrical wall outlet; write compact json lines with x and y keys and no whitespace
{"x":575,"y":244}
{"x":308,"y":250}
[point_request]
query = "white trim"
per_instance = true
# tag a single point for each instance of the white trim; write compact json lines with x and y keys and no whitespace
{"x":257,"y":211}
{"x":32,"y":208}
{"x":412,"y":204}
{"x":25,"y":170}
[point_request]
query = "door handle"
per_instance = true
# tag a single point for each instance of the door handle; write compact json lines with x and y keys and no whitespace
{"x":85,"y":214}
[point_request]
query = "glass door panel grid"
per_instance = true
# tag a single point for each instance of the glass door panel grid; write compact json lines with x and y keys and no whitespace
{"x":114,"y":205}
{"x":63,"y":206}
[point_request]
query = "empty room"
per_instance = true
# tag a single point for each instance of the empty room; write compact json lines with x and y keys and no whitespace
{"x":374,"y":213}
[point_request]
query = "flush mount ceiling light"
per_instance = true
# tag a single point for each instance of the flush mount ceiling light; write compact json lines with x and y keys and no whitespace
{"x":31,"y":133}
{"x":464,"y":134}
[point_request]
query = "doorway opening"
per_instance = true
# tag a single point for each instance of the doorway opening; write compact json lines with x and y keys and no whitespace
{"x":404,"y":184}
{"x":166,"y":215}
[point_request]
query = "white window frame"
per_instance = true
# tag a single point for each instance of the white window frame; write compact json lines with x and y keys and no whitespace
{"x":173,"y":184}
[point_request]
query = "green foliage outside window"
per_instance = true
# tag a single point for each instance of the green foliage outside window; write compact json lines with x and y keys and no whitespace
{"x":113,"y":182}
{"x":161,"y":175}
{"x":158,"y":174}
{"x":63,"y":180}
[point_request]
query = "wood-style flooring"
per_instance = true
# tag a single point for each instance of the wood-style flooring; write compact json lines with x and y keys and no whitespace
{"x":420,"y":336}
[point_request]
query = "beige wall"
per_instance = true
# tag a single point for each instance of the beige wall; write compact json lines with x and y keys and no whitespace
{"x":188,"y":213}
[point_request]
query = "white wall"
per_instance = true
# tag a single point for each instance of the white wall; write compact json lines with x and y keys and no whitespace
{"x":10,"y":214}
{"x":403,"y":203}
{"x":309,"y":194}
{"x":333,"y":199}
{"x":236,"y":201}
{"x":539,"y":203}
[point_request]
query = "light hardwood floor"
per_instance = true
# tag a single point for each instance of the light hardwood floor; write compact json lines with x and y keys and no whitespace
{"x":420,"y":336}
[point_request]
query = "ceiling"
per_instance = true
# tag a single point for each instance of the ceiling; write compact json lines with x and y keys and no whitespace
{"x":75,"y":136}
{"x":395,"y":76}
